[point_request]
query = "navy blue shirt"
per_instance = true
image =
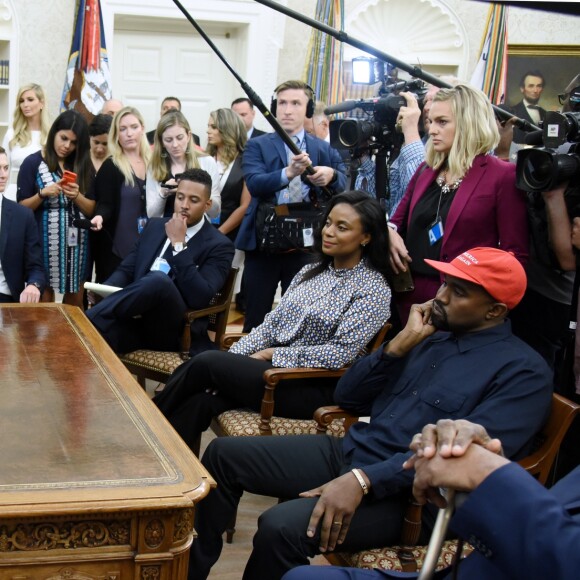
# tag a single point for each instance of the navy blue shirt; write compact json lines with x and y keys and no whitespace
{"x":488,"y":377}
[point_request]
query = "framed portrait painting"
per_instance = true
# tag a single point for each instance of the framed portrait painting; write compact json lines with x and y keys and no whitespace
{"x":558,"y":64}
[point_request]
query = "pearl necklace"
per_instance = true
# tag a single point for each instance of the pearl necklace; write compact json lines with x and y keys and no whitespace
{"x":447,"y":187}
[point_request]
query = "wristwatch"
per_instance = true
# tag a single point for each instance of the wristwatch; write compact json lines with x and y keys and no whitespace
{"x":36,"y":284}
{"x":179,"y":246}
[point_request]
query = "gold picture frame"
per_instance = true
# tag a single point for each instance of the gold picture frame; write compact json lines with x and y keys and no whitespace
{"x":558,"y":63}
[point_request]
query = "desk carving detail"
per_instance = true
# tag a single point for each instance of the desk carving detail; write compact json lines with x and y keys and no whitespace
{"x":52,"y":536}
{"x":154,"y":534}
{"x":183,"y":525}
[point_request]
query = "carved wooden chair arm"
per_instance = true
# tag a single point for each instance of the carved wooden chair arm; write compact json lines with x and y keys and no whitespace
{"x":230,"y":338}
{"x":324,"y":416}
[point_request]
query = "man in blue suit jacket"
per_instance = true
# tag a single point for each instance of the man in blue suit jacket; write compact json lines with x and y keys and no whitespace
{"x":22,"y":277}
{"x":177,"y":263}
{"x":269,"y":168}
{"x":520,"y":530}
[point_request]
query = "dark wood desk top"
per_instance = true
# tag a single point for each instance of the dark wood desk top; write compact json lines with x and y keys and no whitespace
{"x":77,"y":431}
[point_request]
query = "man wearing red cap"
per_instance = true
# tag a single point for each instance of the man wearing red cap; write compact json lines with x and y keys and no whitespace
{"x":455,"y":359}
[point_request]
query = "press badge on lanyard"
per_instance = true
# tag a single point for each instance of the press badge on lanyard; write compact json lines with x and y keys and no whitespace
{"x":72,"y":237}
{"x":161,"y":265}
{"x":141,"y":223}
{"x":435,"y":231}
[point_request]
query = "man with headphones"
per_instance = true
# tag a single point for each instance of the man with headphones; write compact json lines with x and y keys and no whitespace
{"x":272,"y":173}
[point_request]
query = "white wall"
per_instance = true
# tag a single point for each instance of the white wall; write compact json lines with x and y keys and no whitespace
{"x":46,"y":26}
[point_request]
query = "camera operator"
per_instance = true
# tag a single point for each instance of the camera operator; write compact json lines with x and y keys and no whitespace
{"x":402,"y":169}
{"x":542,"y":317}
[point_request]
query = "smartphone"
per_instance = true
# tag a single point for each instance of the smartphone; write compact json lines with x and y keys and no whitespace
{"x":69,"y":176}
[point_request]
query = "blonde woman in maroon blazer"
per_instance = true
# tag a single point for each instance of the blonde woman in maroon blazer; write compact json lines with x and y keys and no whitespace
{"x":460,"y":198}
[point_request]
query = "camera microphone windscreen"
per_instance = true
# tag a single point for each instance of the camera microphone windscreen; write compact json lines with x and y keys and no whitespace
{"x":82,"y":223}
{"x":534,"y":138}
{"x":341,"y":107}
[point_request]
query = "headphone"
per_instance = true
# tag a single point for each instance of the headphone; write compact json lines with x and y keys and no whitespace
{"x":309,"y":106}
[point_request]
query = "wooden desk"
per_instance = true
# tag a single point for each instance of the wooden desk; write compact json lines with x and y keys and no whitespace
{"x":94,"y":483}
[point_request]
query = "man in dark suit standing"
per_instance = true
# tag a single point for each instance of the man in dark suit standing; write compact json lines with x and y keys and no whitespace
{"x":22,"y":277}
{"x":245,"y":109}
{"x":169,"y":104}
{"x":273,"y":174}
{"x":177,"y":263}
{"x":532,"y":85}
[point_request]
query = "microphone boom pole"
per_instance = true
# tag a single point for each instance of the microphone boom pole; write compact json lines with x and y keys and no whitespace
{"x":414,"y":71}
{"x":252,"y":95}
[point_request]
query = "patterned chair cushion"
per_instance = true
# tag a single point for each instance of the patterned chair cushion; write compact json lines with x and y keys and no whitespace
{"x":240,"y":422}
{"x":165,"y":362}
{"x":388,"y":558}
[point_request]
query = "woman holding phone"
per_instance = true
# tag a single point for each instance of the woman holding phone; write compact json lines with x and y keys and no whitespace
{"x":173,"y":153}
{"x":56,"y":184}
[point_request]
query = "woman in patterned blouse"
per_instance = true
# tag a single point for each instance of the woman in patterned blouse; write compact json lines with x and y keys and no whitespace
{"x":327,"y":316}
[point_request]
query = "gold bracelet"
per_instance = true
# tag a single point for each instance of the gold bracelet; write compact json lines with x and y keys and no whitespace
{"x":361,"y":480}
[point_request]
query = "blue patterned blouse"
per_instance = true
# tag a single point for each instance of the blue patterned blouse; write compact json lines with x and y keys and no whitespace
{"x":324,"y":322}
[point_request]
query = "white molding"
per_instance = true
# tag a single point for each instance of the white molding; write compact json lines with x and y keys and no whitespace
{"x":261,"y":42}
{"x":406,"y":29}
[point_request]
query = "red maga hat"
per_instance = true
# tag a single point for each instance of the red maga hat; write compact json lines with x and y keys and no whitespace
{"x":496,"y":271}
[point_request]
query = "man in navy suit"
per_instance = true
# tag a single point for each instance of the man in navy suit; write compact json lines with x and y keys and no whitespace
{"x":520,"y":530}
{"x":272,"y":174}
{"x":22,"y":277}
{"x":245,"y":109}
{"x":177,"y":263}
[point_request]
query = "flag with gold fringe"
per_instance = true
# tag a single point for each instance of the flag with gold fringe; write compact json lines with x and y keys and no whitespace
{"x":323,"y":70}
{"x":490,"y":74}
{"x":88,"y":79}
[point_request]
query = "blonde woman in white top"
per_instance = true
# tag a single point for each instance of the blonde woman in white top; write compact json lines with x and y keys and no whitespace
{"x":28,"y":133}
{"x":173,"y":153}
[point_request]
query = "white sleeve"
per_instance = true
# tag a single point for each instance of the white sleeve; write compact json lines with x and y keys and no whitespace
{"x":208,"y":164}
{"x":155,"y":203}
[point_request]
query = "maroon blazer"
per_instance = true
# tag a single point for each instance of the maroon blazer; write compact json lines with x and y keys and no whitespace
{"x":487,"y":210}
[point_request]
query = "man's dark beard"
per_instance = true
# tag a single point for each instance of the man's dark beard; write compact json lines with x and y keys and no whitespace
{"x":532,"y":101}
{"x":439,"y":317}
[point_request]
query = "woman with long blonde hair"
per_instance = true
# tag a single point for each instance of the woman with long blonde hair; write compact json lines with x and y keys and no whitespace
{"x":29,"y":131}
{"x":121,"y":213}
{"x":173,"y":153}
{"x":460,"y":198}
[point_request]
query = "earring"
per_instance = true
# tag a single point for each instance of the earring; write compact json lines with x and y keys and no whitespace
{"x":164,"y":154}
{"x":364,"y":244}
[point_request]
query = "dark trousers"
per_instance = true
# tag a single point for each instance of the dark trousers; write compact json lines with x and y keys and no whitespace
{"x":215,"y":381}
{"x":146,"y":314}
{"x":262,"y":272}
{"x":282,"y":467}
{"x":542,"y":323}
{"x":6,"y":298}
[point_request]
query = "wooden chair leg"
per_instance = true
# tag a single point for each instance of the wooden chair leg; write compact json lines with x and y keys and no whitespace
{"x":231,"y":529}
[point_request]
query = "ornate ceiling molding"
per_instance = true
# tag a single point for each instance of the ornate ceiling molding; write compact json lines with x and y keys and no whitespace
{"x":419,"y":32}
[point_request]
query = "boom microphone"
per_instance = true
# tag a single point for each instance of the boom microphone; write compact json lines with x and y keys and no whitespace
{"x":82,"y":223}
{"x":534,"y":138}
{"x":341,"y":107}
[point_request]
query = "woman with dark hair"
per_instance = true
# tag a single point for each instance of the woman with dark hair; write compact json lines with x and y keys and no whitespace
{"x":99,"y":137}
{"x":329,"y":313}
{"x":57,"y":202}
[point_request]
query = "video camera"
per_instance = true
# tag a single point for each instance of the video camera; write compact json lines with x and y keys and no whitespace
{"x":382,"y":112}
{"x":542,"y":169}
